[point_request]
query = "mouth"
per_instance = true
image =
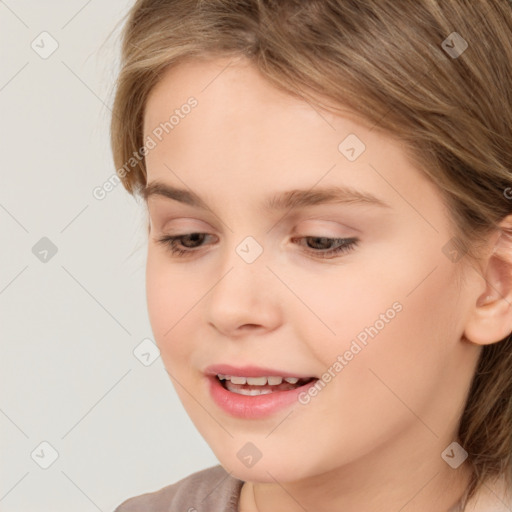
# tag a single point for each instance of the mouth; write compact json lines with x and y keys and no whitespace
{"x":254,"y":392}
{"x":257,"y":401}
{"x":254,"y":386}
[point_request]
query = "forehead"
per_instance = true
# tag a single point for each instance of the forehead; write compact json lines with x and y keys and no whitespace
{"x":245,"y":137}
{"x":226,"y":81}
{"x":234,"y":102}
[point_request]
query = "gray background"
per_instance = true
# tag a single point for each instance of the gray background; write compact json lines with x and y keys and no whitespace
{"x":70,"y":321}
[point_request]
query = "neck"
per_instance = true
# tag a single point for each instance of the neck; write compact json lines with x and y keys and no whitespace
{"x":253,"y":500}
{"x":418,"y":484}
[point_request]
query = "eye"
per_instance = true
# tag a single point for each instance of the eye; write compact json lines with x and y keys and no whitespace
{"x":343,"y":245}
{"x":171,"y":243}
{"x":191,"y":241}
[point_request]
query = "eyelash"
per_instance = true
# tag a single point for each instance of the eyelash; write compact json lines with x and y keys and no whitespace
{"x":347,"y":244}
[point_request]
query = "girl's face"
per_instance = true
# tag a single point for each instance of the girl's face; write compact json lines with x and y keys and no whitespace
{"x":379,"y":324}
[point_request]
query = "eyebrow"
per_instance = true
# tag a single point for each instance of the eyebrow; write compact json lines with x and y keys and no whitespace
{"x":287,"y":200}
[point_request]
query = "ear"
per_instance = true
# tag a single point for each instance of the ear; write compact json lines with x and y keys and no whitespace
{"x":491,"y":319}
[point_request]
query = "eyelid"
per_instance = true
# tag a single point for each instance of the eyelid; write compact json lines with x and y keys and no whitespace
{"x":196,"y":226}
{"x":295,"y":220}
{"x":330,"y":221}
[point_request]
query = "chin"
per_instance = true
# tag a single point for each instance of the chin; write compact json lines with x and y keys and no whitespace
{"x":263,"y":471}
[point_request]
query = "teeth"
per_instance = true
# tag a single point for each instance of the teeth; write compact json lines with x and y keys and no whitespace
{"x":238,"y":380}
{"x":251,"y":392}
{"x":258,"y":381}
{"x":255,"y":381}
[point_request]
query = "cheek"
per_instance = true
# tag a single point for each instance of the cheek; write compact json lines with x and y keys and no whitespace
{"x":397,"y":319}
{"x":171,"y":295}
{"x":158,"y":295}
{"x":340,"y":303}
{"x":404,"y":362}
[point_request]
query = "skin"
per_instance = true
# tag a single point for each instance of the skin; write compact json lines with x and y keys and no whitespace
{"x":372,"y":438}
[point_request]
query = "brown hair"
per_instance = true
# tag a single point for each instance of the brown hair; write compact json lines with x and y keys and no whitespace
{"x":396,"y":64}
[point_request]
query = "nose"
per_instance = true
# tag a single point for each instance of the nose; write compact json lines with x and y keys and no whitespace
{"x":244,"y":299}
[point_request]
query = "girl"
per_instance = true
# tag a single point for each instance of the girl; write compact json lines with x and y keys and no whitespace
{"x":328,"y":188}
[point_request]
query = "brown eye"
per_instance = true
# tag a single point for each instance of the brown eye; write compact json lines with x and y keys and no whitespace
{"x":343,"y":245}
{"x":189,"y":241}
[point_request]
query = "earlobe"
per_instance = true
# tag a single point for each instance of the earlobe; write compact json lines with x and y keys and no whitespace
{"x":491,"y":319}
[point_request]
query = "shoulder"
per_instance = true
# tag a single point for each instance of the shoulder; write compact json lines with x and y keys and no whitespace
{"x":494,"y":496}
{"x":210,"y":489}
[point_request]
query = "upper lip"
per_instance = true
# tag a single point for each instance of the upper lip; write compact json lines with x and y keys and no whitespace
{"x":251,"y":371}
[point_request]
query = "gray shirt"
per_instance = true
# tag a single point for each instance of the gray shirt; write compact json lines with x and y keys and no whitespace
{"x":210,"y":490}
{"x":215,"y":490}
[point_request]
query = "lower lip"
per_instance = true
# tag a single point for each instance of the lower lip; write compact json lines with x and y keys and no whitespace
{"x":253,"y":407}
